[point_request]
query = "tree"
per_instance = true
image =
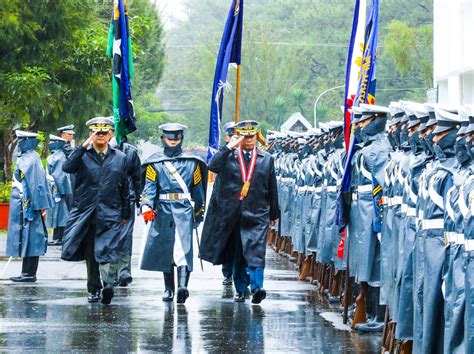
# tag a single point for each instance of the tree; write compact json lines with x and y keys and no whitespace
{"x":54,"y":70}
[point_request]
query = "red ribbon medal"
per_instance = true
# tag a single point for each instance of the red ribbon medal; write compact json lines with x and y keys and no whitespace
{"x":246,"y":174}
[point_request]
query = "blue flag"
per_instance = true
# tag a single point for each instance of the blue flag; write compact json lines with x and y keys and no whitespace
{"x":367,"y":84}
{"x":229,"y":53}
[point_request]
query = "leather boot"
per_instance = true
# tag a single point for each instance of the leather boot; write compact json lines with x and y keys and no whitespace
{"x":183,"y":278}
{"x":168,"y":295}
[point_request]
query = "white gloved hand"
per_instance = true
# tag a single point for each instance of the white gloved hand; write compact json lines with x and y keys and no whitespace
{"x":145,"y":208}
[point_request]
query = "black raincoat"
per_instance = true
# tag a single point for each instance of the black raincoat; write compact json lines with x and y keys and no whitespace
{"x":101,"y":196}
{"x":252,"y":215}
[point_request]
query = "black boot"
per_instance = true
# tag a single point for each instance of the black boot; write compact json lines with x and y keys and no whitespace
{"x":57,"y":237}
{"x":183,"y":278}
{"x":29,"y":267}
{"x":169,"y":286}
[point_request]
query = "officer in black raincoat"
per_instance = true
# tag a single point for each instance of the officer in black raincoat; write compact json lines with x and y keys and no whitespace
{"x":61,"y":188}
{"x":30,"y":196}
{"x":101,"y":207}
{"x":248,"y":203}
{"x":213,"y":207}
{"x":173,"y":199}
{"x":124,"y":266}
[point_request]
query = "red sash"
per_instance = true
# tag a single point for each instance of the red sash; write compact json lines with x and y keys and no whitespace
{"x":246,"y":174}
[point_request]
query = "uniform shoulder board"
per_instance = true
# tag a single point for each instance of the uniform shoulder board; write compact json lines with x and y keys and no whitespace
{"x":150,"y":173}
{"x":22,"y":175}
{"x":197,"y":175}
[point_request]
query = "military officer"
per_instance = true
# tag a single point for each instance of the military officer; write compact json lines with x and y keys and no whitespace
{"x":27,"y":234}
{"x":173,"y":199}
{"x":61,"y":187}
{"x":124,"y":266}
{"x":248,"y":204}
{"x":67,"y":133}
{"x":101,"y":208}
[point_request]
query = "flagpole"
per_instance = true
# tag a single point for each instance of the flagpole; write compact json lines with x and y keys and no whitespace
{"x":237,"y":95}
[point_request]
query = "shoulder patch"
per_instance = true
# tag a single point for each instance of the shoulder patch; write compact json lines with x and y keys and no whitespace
{"x":197,"y":175}
{"x":150,"y":173}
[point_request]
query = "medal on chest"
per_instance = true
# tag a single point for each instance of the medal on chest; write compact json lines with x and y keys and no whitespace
{"x":246,"y":172}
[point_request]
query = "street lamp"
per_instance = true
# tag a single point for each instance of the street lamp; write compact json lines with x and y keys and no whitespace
{"x":315,"y":122}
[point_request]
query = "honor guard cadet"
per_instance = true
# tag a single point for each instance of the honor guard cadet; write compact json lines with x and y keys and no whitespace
{"x":466,"y":206}
{"x":248,"y":204}
{"x":101,"y":208}
{"x":173,"y":200}
{"x":67,"y":133}
{"x":372,"y":162}
{"x":30,"y":196}
{"x":453,"y":269}
{"x":61,"y":187}
{"x":124,"y":265}
{"x":437,"y":184}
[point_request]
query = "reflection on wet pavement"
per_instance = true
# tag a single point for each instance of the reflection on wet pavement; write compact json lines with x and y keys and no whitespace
{"x":53,"y":315}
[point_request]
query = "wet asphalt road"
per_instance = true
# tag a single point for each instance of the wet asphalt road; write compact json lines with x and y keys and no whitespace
{"x":52,"y":315}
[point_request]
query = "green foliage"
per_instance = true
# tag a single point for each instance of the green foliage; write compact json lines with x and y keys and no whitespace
{"x":5,"y":190}
{"x":54,"y":70}
{"x":410,"y":47}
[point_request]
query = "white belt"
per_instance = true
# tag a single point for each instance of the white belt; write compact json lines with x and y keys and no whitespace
{"x":469,"y":245}
{"x":278,"y":178}
{"x":454,"y":237}
{"x":411,"y":211}
{"x":318,"y":189}
{"x":365,"y":188}
{"x":174,"y":196}
{"x":332,"y":189}
{"x":311,"y":189}
{"x":397,"y":200}
{"x":354,"y":196}
{"x":432,"y":224}
{"x":404,"y":208}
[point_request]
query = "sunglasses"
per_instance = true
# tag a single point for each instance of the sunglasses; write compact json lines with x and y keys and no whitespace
{"x":101,"y":133}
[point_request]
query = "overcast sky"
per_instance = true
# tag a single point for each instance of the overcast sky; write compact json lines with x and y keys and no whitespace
{"x":170,"y":10}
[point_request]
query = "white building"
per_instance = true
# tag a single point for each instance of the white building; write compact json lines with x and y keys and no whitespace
{"x":296,"y":123}
{"x":453,"y":46}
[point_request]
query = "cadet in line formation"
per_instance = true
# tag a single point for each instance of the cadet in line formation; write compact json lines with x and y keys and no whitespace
{"x":91,"y":192}
{"x":396,"y":249}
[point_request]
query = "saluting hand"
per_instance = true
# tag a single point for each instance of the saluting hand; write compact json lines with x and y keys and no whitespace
{"x":89,"y":140}
{"x":235,"y":142}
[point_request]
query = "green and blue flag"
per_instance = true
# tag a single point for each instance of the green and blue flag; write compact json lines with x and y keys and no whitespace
{"x":119,"y":48}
